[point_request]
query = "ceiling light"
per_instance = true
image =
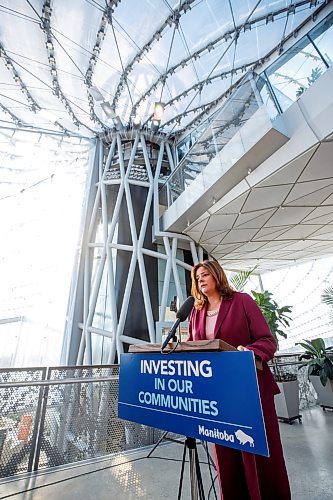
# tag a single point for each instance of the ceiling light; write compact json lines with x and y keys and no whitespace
{"x":158,"y":111}
{"x":96,"y":94}
{"x":108,"y":109}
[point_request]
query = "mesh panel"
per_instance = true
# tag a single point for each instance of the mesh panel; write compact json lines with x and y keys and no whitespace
{"x":78,"y":421}
{"x":19,"y":414}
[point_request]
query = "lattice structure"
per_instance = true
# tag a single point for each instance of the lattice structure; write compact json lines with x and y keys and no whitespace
{"x":128,"y":268}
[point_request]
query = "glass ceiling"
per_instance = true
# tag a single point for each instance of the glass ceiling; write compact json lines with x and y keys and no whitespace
{"x":61,"y":60}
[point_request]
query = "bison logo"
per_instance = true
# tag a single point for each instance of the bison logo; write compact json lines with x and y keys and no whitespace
{"x":244,"y":438}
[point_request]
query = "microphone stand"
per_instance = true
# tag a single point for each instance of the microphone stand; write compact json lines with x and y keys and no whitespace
{"x":190,"y":445}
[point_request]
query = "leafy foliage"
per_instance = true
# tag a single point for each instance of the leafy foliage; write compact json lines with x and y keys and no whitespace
{"x":314,"y":75}
{"x":327,"y":298}
{"x":319,"y":359}
{"x":239,"y":280}
{"x":276,"y":317}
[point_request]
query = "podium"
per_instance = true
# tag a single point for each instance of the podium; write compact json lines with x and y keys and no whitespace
{"x":189,"y":346}
{"x":190,"y":446}
{"x":206,"y":390}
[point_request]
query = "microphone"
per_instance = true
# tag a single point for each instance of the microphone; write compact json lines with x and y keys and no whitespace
{"x":181,"y":315}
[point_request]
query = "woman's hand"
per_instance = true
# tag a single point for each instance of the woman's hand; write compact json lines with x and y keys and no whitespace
{"x":242,"y":348}
{"x":258,"y":361}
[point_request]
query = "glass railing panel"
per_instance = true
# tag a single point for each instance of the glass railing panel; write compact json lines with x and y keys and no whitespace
{"x":277,"y":88}
{"x":215,"y":134}
{"x":322,"y":36}
{"x":294,"y":72}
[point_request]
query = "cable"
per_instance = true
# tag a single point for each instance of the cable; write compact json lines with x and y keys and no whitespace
{"x":120,"y":59}
{"x":224,"y":52}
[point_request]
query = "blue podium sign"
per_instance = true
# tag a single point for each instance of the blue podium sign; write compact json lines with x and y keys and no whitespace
{"x":211,"y":396}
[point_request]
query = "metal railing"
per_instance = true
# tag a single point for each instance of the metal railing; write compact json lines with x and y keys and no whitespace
{"x":55,"y":416}
{"x":284,"y":365}
{"x":62,"y":415}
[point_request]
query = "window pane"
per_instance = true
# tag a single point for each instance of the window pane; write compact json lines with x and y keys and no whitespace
{"x":294,"y":72}
{"x":322,"y":36}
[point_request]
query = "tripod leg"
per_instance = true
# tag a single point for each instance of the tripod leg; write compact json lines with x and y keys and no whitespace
{"x":198,"y":474}
{"x":158,"y":442}
{"x":209,"y":456}
{"x":193,"y":476}
{"x":182,"y":472}
{"x":197,"y":490}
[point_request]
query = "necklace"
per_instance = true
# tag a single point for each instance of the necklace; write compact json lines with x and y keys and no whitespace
{"x":212,"y":313}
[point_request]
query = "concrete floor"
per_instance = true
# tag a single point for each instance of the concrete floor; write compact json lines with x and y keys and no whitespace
{"x":308,"y":452}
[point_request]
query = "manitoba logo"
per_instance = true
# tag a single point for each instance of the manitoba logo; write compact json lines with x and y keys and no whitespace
{"x":244,"y":438}
{"x":216,"y":434}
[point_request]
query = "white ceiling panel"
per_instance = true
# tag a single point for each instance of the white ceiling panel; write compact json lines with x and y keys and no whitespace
{"x":266,"y":197}
{"x":320,"y":215}
{"x":320,"y":165}
{"x":220,"y":222}
{"x":255,"y":219}
{"x":311,"y":193}
{"x":286,"y":175}
{"x":288,"y":215}
{"x":239,"y":235}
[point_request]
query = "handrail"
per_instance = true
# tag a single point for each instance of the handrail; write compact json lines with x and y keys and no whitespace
{"x":57,"y":382}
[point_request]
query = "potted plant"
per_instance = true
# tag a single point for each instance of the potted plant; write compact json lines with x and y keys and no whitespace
{"x":319,"y":360}
{"x":287,"y":402}
{"x":276,"y":317}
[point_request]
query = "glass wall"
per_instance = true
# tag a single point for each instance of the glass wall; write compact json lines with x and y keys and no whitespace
{"x":279,"y":86}
{"x":42,"y":186}
{"x":322,"y":37}
{"x":215,"y":134}
{"x":300,"y":66}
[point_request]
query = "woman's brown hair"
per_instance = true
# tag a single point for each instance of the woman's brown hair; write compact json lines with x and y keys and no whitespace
{"x":219,"y":276}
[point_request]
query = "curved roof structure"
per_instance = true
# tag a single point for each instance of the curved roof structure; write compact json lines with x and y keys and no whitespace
{"x":88,"y":65}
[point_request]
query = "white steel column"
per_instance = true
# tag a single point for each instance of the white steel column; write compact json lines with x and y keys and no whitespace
{"x":130,"y":164}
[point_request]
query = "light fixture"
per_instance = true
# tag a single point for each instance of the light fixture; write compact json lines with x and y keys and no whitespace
{"x":108,"y":109}
{"x":158,"y":111}
{"x":96,"y":94}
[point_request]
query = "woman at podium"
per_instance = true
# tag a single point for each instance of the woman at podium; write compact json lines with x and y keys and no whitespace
{"x":221,"y":313}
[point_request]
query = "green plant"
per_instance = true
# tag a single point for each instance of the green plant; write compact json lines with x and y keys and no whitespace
{"x":275,"y":316}
{"x":314,"y":75}
{"x":318,"y":359}
{"x":327,"y":298}
{"x":239,"y":280}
